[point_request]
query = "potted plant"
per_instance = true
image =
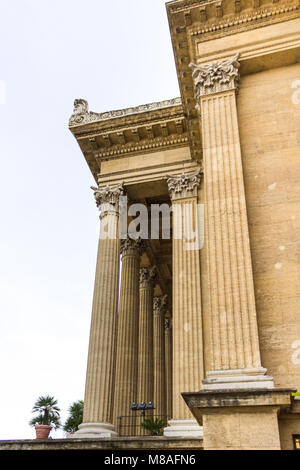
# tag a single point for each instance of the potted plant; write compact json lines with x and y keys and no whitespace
{"x":75,"y":417}
{"x":155,"y":427}
{"x":48,"y":416}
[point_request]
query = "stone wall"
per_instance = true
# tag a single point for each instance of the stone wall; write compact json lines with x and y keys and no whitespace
{"x":269,"y":118}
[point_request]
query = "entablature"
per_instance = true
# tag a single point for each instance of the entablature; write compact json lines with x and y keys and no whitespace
{"x":133,"y":131}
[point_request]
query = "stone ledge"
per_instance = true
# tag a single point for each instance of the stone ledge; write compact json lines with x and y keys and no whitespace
{"x":214,"y":400}
{"x":121,"y":443}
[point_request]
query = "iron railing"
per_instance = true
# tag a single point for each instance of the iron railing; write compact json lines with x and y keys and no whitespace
{"x":133,"y":425}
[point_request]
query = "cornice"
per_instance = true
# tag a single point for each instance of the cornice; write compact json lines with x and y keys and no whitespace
{"x":162,"y":128}
{"x":81,"y":114}
{"x":250,"y":19}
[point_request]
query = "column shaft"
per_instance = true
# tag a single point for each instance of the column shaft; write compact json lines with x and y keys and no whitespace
{"x":187,"y":320}
{"x":98,"y":402}
{"x":145,"y":357}
{"x":159,"y":357}
{"x":128,"y":323}
{"x":168,"y":365}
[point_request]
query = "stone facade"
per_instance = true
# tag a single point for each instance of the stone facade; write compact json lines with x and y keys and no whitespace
{"x":220,"y":357}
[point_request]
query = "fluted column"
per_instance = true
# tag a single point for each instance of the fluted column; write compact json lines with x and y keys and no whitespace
{"x":98,"y":401}
{"x":168,"y":365}
{"x":159,"y":310}
{"x":145,"y":358}
{"x":234,"y":332}
{"x":128,"y":327}
{"x":187,"y":316}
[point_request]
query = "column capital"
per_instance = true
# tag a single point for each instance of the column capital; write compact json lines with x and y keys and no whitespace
{"x":185,"y":185}
{"x":107,"y":198}
{"x":160,"y":305}
{"x":168,"y":325}
{"x":216,"y":77}
{"x":130,"y":246}
{"x":148,"y":276}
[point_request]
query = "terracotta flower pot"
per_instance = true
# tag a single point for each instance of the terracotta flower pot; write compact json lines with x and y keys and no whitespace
{"x":42,"y":431}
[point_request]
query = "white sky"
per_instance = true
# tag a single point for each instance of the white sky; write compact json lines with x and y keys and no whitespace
{"x":115,"y":54}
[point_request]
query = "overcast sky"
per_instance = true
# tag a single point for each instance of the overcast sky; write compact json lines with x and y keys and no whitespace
{"x":115,"y":54}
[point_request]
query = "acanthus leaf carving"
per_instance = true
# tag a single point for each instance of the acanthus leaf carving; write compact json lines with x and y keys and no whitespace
{"x":148,"y":276}
{"x":216,"y":77}
{"x":131,"y":246}
{"x":108,"y":195}
{"x":168,"y":324}
{"x":160,"y":305}
{"x":185,"y":184}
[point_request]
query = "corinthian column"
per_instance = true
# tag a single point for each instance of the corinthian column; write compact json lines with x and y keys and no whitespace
{"x":128,"y":328}
{"x":234,"y":334}
{"x":145,"y":358}
{"x":168,"y":365}
{"x":159,"y":310}
{"x":187,"y":315}
{"x":98,"y":401}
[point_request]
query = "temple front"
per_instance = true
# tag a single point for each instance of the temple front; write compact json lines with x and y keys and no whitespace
{"x":199,"y":204}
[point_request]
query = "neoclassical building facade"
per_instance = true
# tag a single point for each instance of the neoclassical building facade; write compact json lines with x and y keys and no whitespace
{"x":208,"y":332}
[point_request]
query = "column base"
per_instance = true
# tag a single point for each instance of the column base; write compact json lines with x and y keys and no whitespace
{"x":183,"y":428}
{"x":238,"y":379}
{"x":239,"y":419}
{"x":95,"y":431}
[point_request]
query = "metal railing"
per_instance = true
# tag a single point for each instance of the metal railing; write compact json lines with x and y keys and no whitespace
{"x":134,"y":425}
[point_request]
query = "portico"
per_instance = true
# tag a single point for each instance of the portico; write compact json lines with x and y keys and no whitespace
{"x":194,"y":328}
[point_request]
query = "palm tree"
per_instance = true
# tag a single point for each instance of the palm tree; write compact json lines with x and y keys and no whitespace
{"x":75,"y":418}
{"x":48,"y":412}
{"x":154,"y":426}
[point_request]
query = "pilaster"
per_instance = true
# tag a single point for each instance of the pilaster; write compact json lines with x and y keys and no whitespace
{"x":234,"y":332}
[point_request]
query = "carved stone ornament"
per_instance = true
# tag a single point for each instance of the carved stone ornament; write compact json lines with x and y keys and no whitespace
{"x":160,"y":305}
{"x":130,"y":246}
{"x":168,"y":324}
{"x":108,"y":195}
{"x":148,"y":276}
{"x":184,"y":185}
{"x":81,"y":114}
{"x":216,"y":77}
{"x":81,"y":109}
